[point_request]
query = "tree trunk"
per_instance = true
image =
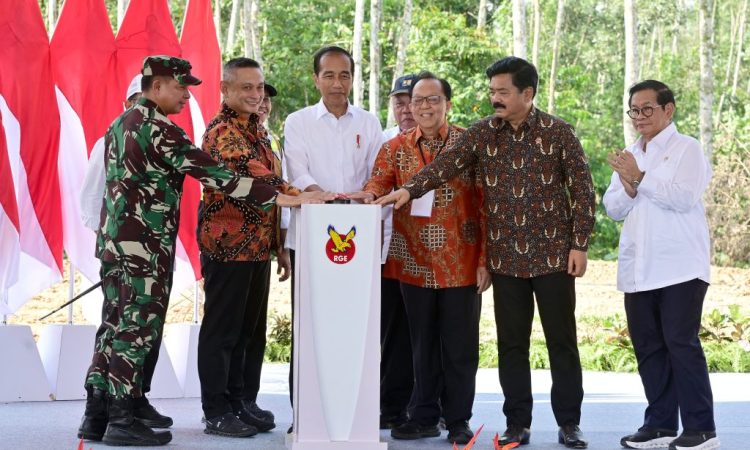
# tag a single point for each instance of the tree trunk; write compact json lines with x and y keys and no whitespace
{"x":232,"y":26}
{"x":375,"y":13}
{"x":403,"y":43}
{"x":537,"y":31}
{"x":357,"y":86}
{"x":217,"y":21}
{"x":631,"y":67}
{"x":707,"y":76}
{"x":555,"y":55}
{"x":743,"y":20}
{"x":482,"y":15}
{"x":122,"y":5}
{"x":254,"y":31}
{"x":51,"y":16}
{"x":519,"y":28}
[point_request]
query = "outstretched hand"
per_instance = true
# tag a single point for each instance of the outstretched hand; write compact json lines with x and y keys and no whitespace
{"x":361,"y":196}
{"x":304,"y":198}
{"x":399,"y":198}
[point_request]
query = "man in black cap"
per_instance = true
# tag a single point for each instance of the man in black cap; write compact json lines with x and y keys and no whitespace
{"x":400,"y":98}
{"x":147,"y":158}
{"x":396,"y":372}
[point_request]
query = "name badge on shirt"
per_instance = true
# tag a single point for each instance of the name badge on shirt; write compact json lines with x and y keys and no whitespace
{"x":422,"y":207}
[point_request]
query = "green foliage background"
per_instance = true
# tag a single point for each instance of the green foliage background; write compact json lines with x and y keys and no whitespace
{"x":444,"y":39}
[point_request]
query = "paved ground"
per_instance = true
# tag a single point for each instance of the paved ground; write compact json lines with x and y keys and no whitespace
{"x":613,"y":406}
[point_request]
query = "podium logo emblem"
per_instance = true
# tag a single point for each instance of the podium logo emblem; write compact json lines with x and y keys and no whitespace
{"x":340,"y":248}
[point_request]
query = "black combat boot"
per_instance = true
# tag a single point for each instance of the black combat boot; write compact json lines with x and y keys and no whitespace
{"x":124,"y":429}
{"x":94,"y":420}
{"x":146,"y":413}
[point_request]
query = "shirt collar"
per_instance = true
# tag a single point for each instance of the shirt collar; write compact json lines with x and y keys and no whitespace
{"x":149,"y":104}
{"x":321,"y":110}
{"x":530,"y":120}
{"x":442,"y":132}
{"x":660,"y":140}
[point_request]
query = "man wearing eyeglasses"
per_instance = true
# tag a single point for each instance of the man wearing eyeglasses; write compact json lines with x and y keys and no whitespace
{"x":437,"y":253}
{"x":663,"y":268}
{"x":539,"y":201}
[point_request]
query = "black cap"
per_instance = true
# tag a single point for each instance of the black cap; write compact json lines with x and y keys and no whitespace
{"x":403,"y":84}
{"x":270,"y":90}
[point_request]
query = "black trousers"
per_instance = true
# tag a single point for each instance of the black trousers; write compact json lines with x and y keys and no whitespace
{"x":514,"y":312}
{"x":396,"y":373}
{"x":232,"y":338}
{"x":444,"y":330}
{"x":664,"y":325}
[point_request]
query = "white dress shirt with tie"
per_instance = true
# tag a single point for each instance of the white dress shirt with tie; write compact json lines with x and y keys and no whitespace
{"x":336,"y":154}
{"x":664,"y":239}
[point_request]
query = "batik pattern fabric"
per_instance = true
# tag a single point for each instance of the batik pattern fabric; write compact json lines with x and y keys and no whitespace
{"x":538,"y":191}
{"x":445,"y":249}
{"x":232,"y":230}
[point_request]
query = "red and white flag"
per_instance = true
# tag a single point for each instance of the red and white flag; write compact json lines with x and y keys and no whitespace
{"x":147,"y":29}
{"x":83,"y":64}
{"x":10,"y":246}
{"x":31,"y":124}
{"x":201,"y":48}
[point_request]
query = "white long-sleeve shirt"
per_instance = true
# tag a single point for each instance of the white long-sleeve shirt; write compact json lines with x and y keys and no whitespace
{"x":92,"y":189}
{"x":335,"y":154}
{"x":664,"y":239}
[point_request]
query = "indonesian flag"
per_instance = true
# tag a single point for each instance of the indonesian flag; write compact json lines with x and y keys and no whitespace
{"x":83,"y":64}
{"x":10,"y":248}
{"x":32,"y":132}
{"x":146,"y":30}
{"x":201,"y":48}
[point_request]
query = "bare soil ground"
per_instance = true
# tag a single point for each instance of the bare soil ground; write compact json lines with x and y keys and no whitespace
{"x":596,"y":296}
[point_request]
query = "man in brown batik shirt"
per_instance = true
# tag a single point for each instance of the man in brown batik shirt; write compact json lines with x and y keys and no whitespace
{"x":539,"y":201}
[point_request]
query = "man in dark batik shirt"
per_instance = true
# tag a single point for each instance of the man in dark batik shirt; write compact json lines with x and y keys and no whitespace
{"x":147,"y":158}
{"x":539,"y":201}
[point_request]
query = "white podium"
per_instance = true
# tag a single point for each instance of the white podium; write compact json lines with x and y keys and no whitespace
{"x":337,"y":328}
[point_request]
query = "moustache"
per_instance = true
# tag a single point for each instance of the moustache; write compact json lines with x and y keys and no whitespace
{"x":498,"y":105}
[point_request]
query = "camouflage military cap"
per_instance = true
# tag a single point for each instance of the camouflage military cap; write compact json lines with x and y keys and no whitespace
{"x":169,"y":66}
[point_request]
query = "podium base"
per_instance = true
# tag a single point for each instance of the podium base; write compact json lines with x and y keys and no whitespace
{"x":66,"y":355}
{"x":181,"y":340}
{"x":22,"y":371}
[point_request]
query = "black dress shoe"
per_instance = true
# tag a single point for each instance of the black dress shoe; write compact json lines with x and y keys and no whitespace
{"x":413,"y":430}
{"x":229,"y":425}
{"x":251,"y":419}
{"x":571,"y":436}
{"x":146,"y":413}
{"x":124,"y":430}
{"x":389,"y":422}
{"x":515,"y":433}
{"x":94,"y":422}
{"x":459,"y":432}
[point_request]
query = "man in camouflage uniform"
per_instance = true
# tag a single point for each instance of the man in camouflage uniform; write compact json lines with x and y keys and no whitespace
{"x":147,"y":158}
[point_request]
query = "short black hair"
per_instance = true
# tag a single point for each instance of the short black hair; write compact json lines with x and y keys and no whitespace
{"x":147,"y":81}
{"x":238,"y":63}
{"x":664,"y":94}
{"x":331,"y":49}
{"x":426,"y":75}
{"x":523,"y":73}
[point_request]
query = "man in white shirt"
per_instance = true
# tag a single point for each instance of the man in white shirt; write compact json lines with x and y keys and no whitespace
{"x":92,"y":195}
{"x":396,"y":372}
{"x":663,"y":268}
{"x":331,"y":145}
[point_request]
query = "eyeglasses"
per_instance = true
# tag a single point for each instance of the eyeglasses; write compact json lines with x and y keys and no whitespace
{"x":647,"y":111}
{"x":432,"y":100}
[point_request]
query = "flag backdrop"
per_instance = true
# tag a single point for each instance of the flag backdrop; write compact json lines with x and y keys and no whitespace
{"x":31,"y":124}
{"x":56,"y":100}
